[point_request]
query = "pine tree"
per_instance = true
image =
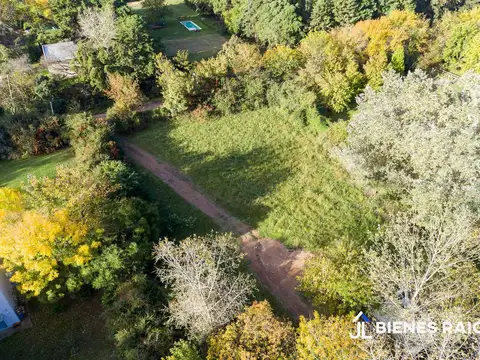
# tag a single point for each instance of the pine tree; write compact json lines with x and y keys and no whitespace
{"x":322,"y":15}
{"x":348,"y":12}
{"x":386,"y":6}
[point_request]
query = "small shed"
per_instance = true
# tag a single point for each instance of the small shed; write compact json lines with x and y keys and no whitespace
{"x":58,"y":57}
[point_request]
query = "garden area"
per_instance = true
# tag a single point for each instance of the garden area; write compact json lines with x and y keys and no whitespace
{"x":71,"y":330}
{"x":170,"y":36}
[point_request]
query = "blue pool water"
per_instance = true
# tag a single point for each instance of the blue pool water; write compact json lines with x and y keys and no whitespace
{"x":190,"y":25}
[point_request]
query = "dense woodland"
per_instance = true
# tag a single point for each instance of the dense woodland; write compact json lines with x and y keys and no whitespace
{"x":381,"y":99}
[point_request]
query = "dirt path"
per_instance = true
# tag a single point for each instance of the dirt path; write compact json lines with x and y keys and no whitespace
{"x":275,"y":266}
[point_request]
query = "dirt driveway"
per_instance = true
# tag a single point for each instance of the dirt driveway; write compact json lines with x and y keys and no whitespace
{"x":275,"y":266}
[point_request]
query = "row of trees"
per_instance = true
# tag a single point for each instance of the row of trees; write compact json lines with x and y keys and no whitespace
{"x":327,"y":69}
{"x":209,"y":294}
{"x":81,"y":227}
{"x":284,"y":21}
{"x":420,"y":154}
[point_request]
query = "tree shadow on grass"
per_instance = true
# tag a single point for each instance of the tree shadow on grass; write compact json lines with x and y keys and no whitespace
{"x":238,"y":180}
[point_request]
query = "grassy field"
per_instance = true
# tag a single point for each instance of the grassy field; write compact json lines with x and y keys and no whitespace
{"x":179,"y":218}
{"x":268,"y":170}
{"x":14,"y":172}
{"x":174,"y":36}
{"x":78,"y":332}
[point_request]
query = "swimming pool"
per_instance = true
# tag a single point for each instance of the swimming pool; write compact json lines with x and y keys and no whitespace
{"x":190,"y":25}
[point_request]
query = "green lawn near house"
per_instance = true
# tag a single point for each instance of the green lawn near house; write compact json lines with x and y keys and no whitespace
{"x":269,"y":170}
{"x":14,"y":172}
{"x":174,"y":36}
{"x":77,"y":332}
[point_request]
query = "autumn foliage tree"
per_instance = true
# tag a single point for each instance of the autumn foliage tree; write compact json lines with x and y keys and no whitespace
{"x":456,"y":42}
{"x":58,"y":234}
{"x":328,"y":339}
{"x":256,"y":334}
{"x":126,"y":93}
{"x":39,"y":247}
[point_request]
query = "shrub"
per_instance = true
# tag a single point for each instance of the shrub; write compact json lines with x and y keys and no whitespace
{"x":136,"y":320}
{"x":183,"y":350}
{"x":89,"y":138}
{"x":334,"y":280}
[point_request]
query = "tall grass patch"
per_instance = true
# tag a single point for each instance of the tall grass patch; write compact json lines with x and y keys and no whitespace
{"x":269,"y":170}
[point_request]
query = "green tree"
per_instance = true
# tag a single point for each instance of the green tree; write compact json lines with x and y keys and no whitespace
{"x":334,"y":280}
{"x":348,"y":12}
{"x":135,"y":316}
{"x":89,"y":138}
{"x":322,"y":17}
{"x":183,"y":350}
{"x":176,"y":86}
{"x":129,"y":53}
{"x":457,"y":40}
{"x":272,"y":22}
{"x":155,"y":9}
{"x":386,"y":6}
{"x":132,"y":50}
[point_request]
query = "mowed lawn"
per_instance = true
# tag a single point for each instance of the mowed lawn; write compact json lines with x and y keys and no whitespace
{"x":75,"y":332}
{"x":14,"y":172}
{"x":174,"y":36}
{"x":269,"y":170}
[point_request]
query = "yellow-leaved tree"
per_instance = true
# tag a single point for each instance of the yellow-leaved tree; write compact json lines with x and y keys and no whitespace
{"x":391,"y":42}
{"x":327,"y":339}
{"x":256,"y":334}
{"x":38,"y":247}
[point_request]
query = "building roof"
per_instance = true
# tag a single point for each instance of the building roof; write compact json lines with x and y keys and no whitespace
{"x":59,"y":52}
